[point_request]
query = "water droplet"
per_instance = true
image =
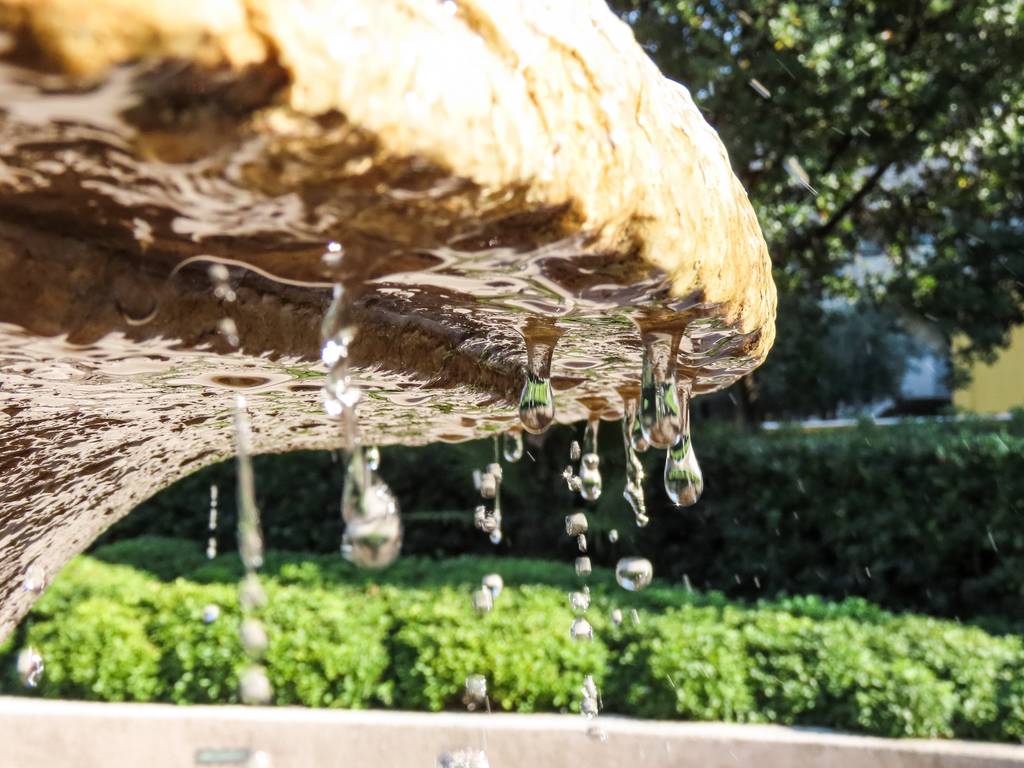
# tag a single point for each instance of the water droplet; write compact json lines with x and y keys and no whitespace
{"x":220,"y":278}
{"x":575,"y":524}
{"x":634,"y":573}
{"x":475,"y":692}
{"x":659,"y":399}
{"x":613,"y":535}
{"x":254,"y":686}
{"x":684,"y":481}
{"x":581,"y":543}
{"x":211,"y":613}
{"x":134,"y":298}
{"x":254,"y":637}
{"x":250,"y":537}
{"x":536,"y":404}
{"x":590,"y":477}
{"x":251,"y":595}
{"x":582,"y":566}
{"x":495,"y":537}
{"x":580,"y":601}
{"x":634,"y":490}
{"x":571,"y":480}
{"x":760,"y":88}
{"x":616,"y":616}
{"x":211,"y":542}
{"x":581,"y":629}
{"x":632,"y":427}
{"x":483,"y":600}
{"x":590,"y":703}
{"x":512,"y":446}
{"x":485,"y":520}
{"x":495,"y":471}
{"x":373,"y":527}
{"x":574,"y":451}
{"x":463,"y":758}
{"x":227,"y":328}
{"x":488,"y":485}
{"x":372,"y":455}
{"x":34,"y":579}
{"x":634,"y":616}
{"x":494,"y":583}
{"x":332,"y":257}
{"x":30,"y":667}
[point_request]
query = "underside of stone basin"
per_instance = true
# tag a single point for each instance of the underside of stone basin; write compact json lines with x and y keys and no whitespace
{"x":495,"y":173}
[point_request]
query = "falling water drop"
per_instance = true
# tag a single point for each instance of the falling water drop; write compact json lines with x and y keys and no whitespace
{"x":228,"y":329}
{"x":581,"y":630}
{"x":211,"y":613}
{"x":590,"y":703}
{"x":211,"y":541}
{"x":634,"y":573}
{"x":613,"y":535}
{"x":494,"y":583}
{"x":537,"y":401}
{"x":30,"y":667}
{"x":373,"y":458}
{"x":580,"y":601}
{"x":574,"y":451}
{"x":34,"y":579}
{"x":475,"y":694}
{"x":220,"y":277}
{"x":575,"y":524}
{"x":254,"y":637}
{"x":254,"y":686}
{"x":483,"y":600}
{"x":485,"y":520}
{"x":582,"y":566}
{"x":616,"y":616}
{"x":251,"y":595}
{"x":659,"y":398}
{"x":590,"y":472}
{"x":495,"y":537}
{"x":512,"y":445}
{"x":684,"y":481}
{"x":581,"y":543}
{"x":488,"y":485}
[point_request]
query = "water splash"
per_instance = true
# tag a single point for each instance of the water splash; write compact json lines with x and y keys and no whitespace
{"x":659,"y":399}
{"x":512,"y":445}
{"x":634,"y":573}
{"x":684,"y":481}
{"x":211,"y":527}
{"x":590,"y":472}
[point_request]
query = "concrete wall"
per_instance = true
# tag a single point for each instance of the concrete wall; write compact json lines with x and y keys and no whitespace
{"x":56,"y":734}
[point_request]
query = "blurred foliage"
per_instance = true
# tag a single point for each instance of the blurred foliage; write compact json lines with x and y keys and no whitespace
{"x":407,"y":637}
{"x":919,"y":516}
{"x":907,"y":119}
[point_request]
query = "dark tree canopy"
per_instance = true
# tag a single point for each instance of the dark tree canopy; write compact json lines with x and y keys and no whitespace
{"x":884,"y":126}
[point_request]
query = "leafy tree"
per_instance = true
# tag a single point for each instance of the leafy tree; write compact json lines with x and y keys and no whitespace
{"x":895,"y":126}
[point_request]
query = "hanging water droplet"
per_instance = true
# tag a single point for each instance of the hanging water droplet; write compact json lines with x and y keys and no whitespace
{"x":634,"y":490}
{"x":254,"y":637}
{"x":512,"y":446}
{"x":616,"y":616}
{"x":30,"y":667}
{"x":580,"y":601}
{"x":581,"y":629}
{"x":494,"y":583}
{"x":575,"y":524}
{"x":659,"y":399}
{"x":373,"y":527}
{"x":613,"y":535}
{"x":211,"y":613}
{"x":537,"y":401}
{"x":582,"y":566}
{"x":251,"y":595}
{"x":536,"y":404}
{"x":475,"y":692}
{"x":684,"y":481}
{"x":590,"y":703}
{"x":254,"y":686}
{"x":373,"y":543}
{"x":631,"y":426}
{"x":34,"y":579}
{"x":463,"y":758}
{"x":250,"y":537}
{"x":495,"y":537}
{"x":372,"y":458}
{"x":590,"y":477}
{"x":574,"y":451}
{"x":634,"y":573}
{"x":483,"y":600}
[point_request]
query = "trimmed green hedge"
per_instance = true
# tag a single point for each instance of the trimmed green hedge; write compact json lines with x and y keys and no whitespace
{"x":923,"y":517}
{"x":407,"y":637}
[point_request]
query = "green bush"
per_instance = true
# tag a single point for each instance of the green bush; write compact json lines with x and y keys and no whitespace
{"x":921,"y":517}
{"x":407,"y":637}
